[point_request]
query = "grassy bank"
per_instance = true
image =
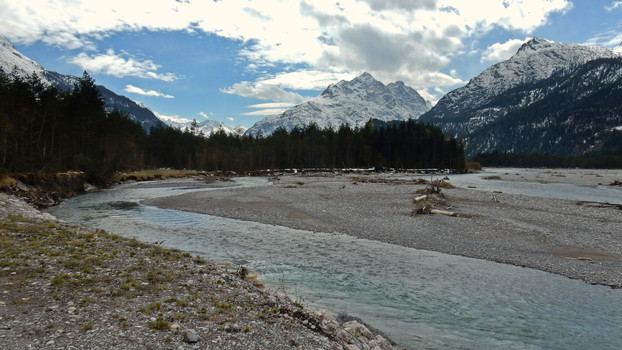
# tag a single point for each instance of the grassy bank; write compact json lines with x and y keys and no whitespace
{"x":67,"y":286}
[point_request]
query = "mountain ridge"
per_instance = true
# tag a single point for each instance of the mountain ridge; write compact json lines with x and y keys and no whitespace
{"x":206,"y":127}
{"x":537,"y":75}
{"x":351,"y":102}
{"x":535,"y":60}
{"x":14,"y":62}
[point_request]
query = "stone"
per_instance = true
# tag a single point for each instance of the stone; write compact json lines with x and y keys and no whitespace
{"x":351,"y":347}
{"x":190,"y":336}
{"x":358,"y":330}
{"x":345,"y":336}
{"x":380,"y":343}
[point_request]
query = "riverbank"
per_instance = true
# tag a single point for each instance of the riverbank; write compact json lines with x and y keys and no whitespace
{"x":66,"y":286}
{"x":580,"y":240}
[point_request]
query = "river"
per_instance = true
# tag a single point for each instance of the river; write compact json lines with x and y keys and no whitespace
{"x":420,"y":299}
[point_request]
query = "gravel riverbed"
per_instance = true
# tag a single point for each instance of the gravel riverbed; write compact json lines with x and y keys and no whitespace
{"x":580,"y":240}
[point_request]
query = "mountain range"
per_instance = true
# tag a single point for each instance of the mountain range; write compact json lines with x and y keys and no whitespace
{"x":349,"y":102}
{"x":554,"y":98}
{"x":549,"y":98}
{"x":14,"y":62}
{"x":206,"y":127}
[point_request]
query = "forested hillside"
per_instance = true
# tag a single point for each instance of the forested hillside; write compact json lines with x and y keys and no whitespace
{"x":44,"y":129}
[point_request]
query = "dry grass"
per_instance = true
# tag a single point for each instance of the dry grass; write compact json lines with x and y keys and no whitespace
{"x":157,"y":174}
{"x":6,"y":182}
{"x":442,"y":184}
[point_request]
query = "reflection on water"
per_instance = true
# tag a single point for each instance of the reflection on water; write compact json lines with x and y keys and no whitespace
{"x":420,"y":299}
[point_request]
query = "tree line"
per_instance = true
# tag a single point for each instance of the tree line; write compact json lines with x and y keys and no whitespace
{"x":608,"y":160}
{"x":46,"y":129}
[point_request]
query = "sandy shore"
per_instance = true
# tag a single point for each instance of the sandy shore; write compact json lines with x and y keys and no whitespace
{"x":578,"y":240}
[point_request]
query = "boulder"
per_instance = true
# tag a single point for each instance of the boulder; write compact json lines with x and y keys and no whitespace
{"x":190,"y":336}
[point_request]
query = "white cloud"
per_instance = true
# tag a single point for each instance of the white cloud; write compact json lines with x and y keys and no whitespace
{"x":432,"y":98}
{"x":610,"y":38}
{"x":271,"y":108}
{"x":306,"y":79}
{"x":230,"y":118}
{"x":272,"y":105}
{"x":204,"y":115}
{"x":614,"y":5}
{"x":119,"y":66}
{"x":502,"y":51}
{"x":136,"y":90}
{"x":265,"y":112}
{"x":263,"y":91}
{"x":386,"y":38}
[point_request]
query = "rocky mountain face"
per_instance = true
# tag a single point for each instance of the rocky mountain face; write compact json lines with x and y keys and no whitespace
{"x":549,"y":97}
{"x":12,"y":61}
{"x":573,"y":112}
{"x":349,"y":102}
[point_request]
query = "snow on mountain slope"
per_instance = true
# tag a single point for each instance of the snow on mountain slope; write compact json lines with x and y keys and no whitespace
{"x":349,"y":102}
{"x":537,"y":59}
{"x":571,"y":113}
{"x":13,"y":61}
{"x":549,"y":98}
{"x":206,"y":127}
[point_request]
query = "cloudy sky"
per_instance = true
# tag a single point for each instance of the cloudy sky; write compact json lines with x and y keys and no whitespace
{"x":237,"y":61}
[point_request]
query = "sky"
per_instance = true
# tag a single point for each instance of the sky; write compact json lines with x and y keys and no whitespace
{"x":237,"y":61}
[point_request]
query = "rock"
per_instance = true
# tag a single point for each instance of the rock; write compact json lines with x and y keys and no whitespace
{"x":190,"y":336}
{"x":351,"y":347}
{"x":358,"y":330}
{"x":345,"y":337}
{"x":90,"y":188}
{"x":380,"y":343}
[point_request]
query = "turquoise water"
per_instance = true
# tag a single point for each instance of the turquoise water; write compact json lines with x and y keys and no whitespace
{"x":421,"y":299}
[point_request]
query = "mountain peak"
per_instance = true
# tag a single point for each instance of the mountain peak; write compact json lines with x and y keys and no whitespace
{"x":11,"y":59}
{"x":618,"y":49}
{"x":535,"y":72}
{"x":351,"y":102}
{"x":365,"y":77}
{"x":534,"y":45}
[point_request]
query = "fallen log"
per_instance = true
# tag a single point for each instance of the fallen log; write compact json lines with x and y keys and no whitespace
{"x":443,"y":212}
{"x":420,"y":198}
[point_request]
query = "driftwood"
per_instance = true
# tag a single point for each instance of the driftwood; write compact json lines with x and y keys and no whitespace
{"x":442,"y":212}
{"x":428,"y":209}
{"x":425,"y":205}
{"x":420,"y":198}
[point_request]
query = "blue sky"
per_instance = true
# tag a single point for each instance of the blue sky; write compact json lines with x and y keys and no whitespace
{"x":237,"y":61}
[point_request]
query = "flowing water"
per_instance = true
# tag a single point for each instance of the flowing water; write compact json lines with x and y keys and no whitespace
{"x":420,"y":299}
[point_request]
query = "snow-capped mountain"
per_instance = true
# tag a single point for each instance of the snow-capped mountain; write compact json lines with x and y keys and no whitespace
{"x":349,"y":102}
{"x":206,"y":127}
{"x":13,"y":61}
{"x":575,"y":111}
{"x":535,"y":73}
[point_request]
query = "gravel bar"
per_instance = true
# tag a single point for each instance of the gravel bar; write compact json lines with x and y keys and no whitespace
{"x":576,"y":239}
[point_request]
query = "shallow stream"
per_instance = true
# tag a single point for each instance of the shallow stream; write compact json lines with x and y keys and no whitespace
{"x":420,"y":299}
